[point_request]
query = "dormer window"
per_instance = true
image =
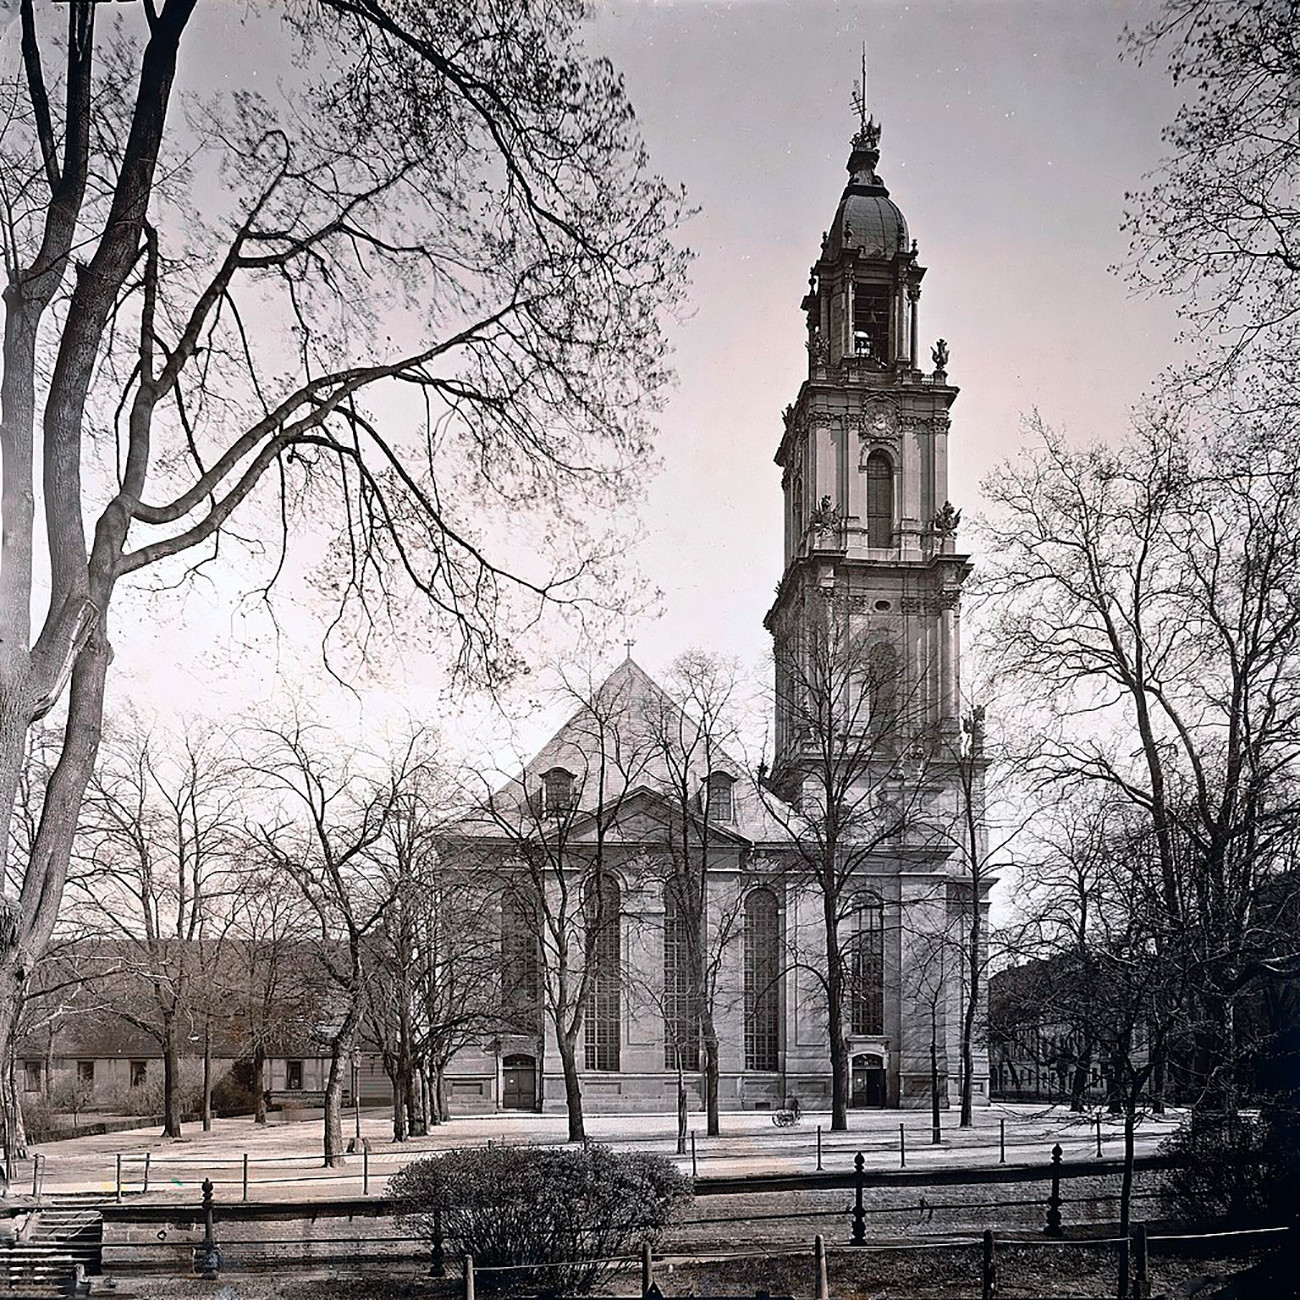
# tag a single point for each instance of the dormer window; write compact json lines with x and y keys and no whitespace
{"x":717,"y":797}
{"x":557,"y":790}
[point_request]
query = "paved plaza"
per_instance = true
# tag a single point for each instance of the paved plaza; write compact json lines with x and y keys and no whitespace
{"x":283,"y":1160}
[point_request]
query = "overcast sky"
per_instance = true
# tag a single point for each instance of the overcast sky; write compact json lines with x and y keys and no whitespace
{"x":1011,"y":131}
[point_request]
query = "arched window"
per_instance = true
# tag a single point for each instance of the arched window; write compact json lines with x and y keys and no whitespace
{"x":880,"y":500}
{"x":762,"y":981}
{"x":557,"y":790}
{"x":604,"y":952}
{"x":867,"y":966}
{"x":717,"y":797}
{"x":681,"y":1020}
{"x":521,"y":967}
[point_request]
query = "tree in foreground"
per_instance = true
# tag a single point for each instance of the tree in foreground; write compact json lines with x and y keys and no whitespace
{"x":205,"y":313}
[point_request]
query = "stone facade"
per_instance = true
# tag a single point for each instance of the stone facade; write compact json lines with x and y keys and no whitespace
{"x":870,"y":600}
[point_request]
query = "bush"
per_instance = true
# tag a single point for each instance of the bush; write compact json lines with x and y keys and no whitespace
{"x":233,"y":1092}
{"x":1225,"y":1173}
{"x":514,"y":1208}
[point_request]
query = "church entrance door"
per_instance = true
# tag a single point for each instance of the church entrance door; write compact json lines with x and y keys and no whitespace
{"x":868,"y":1083}
{"x":518,"y":1082}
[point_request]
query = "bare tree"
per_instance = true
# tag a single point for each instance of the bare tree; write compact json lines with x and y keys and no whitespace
{"x":202,"y":313}
{"x":1150,"y":597}
{"x":550,"y":836}
{"x":854,"y":791}
{"x":331,"y":816}
{"x":158,"y":838}
{"x":1217,"y":225}
{"x":688,"y":730}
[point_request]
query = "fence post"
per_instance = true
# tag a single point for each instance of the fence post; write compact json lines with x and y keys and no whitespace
{"x":245,"y":1175}
{"x":819,"y":1148}
{"x":1099,"y":1136}
{"x":36,"y":1175}
{"x":1141,"y":1278}
{"x":647,"y":1269}
{"x":469,"y":1277}
{"x":207,"y":1257}
{"x":819,"y":1258}
{"x":365,"y":1171}
{"x":1002,"y":1141}
{"x":989,"y":1270}
{"x":119,"y":1177}
{"x":146,"y":1172}
{"x":437,"y":1257}
{"x":1053,"y":1228}
{"x":695,"y":1172}
{"x":859,"y":1214}
{"x":902,"y":1147}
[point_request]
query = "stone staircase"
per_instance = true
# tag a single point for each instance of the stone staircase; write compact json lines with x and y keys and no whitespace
{"x":59,"y":1245}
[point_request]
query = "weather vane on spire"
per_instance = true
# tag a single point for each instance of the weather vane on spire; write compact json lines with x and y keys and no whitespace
{"x":868,"y":136}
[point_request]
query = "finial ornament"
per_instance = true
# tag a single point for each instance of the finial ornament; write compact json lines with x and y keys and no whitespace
{"x":939,"y":355}
{"x":868,"y":132}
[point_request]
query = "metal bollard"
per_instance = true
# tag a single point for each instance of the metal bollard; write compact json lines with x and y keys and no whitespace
{"x":469,"y":1277}
{"x":989,"y":1268}
{"x":365,"y":1171}
{"x":647,"y":1269}
{"x":695,"y":1172}
{"x":1002,"y":1142}
{"x":37,"y":1161}
{"x":1098,"y":1137}
{"x":118,"y":1197}
{"x":902,"y":1147}
{"x":819,"y":1259}
{"x":819,"y":1148}
{"x":207,"y":1257}
{"x":1053,"y":1227}
{"x":859,"y":1213}
{"x":245,"y":1175}
{"x":146,"y":1172}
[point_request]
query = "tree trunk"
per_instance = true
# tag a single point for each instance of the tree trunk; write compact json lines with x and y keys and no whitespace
{"x":207,"y":1077}
{"x":1079,"y":1084}
{"x":1126,"y":1183}
{"x":835,"y":1017}
{"x":710,"y":1036}
{"x":935,"y":1118}
{"x":259,"y":1084}
{"x":334,"y":1150}
{"x":968,"y":1016}
{"x":572,"y":1087}
{"x":415,"y":1126}
{"x":172,"y":1099}
{"x":398,"y":1084}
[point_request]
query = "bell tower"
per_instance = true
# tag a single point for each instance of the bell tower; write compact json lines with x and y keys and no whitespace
{"x":864,"y":460}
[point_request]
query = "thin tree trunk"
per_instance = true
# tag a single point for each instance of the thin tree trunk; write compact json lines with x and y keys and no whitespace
{"x":835,"y":1017}
{"x":710,"y":1036}
{"x":207,"y":1076}
{"x":172,"y":1100}
{"x":572,"y":1087}
{"x":259,"y":1084}
{"x":934,"y":1077}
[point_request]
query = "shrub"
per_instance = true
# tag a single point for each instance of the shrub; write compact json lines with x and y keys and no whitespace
{"x":233,"y":1092}
{"x":1225,"y":1171}
{"x":515,"y":1208}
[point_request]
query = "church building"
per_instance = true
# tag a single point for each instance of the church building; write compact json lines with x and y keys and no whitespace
{"x":867,"y":822}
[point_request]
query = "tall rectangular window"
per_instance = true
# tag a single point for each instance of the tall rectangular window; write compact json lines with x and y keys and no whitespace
{"x":521,"y":975}
{"x":762,"y":982}
{"x":867,"y":968}
{"x":604,"y":995}
{"x":880,"y":500}
{"x":681,"y":1015}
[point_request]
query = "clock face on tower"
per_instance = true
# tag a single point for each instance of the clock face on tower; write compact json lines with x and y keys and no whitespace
{"x":879,"y":423}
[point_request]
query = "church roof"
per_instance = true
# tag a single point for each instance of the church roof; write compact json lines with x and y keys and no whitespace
{"x":628,"y":738}
{"x":867,"y":220}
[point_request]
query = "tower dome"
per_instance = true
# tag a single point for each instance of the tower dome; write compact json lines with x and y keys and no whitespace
{"x":867,"y":221}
